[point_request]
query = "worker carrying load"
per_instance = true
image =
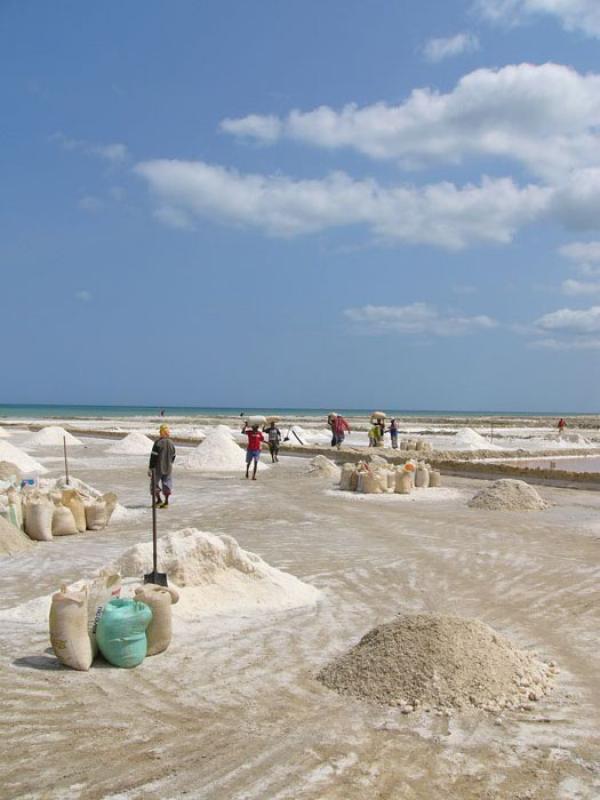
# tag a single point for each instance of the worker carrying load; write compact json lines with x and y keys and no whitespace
{"x":255,"y":440}
{"x":273,"y":439}
{"x":161,"y":464}
{"x":376,"y":436}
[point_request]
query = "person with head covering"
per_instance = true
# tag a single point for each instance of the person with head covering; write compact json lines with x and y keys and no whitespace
{"x":255,"y":440}
{"x":393,"y":431}
{"x":161,"y":464}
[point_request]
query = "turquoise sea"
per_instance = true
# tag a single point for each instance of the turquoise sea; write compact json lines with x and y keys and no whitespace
{"x":107,"y":411}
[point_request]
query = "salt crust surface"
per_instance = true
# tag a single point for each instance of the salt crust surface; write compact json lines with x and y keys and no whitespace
{"x":4,"y":434}
{"x":322,"y":467}
{"x":134,"y":444}
{"x":216,"y":575}
{"x":508,"y":495}
{"x":9,"y":452}
{"x":52,"y":436}
{"x":440,"y":662}
{"x":217,"y":453}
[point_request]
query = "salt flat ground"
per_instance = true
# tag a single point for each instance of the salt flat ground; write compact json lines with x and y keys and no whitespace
{"x":234,"y":710}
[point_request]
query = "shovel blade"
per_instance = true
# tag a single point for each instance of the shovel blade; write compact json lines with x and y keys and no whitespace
{"x":159,"y":578}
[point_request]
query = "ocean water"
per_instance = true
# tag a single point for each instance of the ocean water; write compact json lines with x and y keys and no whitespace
{"x":108,"y":411}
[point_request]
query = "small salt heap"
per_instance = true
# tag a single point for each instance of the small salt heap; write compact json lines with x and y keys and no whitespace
{"x":217,"y":453}
{"x":322,"y":467}
{"x":8,"y":452}
{"x":52,"y":436}
{"x":508,"y":495}
{"x":134,"y":444}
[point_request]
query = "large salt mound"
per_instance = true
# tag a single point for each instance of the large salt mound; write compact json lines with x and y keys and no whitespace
{"x":216,"y":575}
{"x":12,"y":540}
{"x":322,"y":467}
{"x":51,"y":436}
{"x":468,"y":439}
{"x":134,"y":444}
{"x":217,"y":453}
{"x":436,"y":661}
{"x":8,"y":452}
{"x":508,"y":495}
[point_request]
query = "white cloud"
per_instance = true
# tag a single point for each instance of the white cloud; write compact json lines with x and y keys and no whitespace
{"x":417,"y":318}
{"x":545,"y":117}
{"x":115,"y":153}
{"x":439,"y":49}
{"x":568,"y":329}
{"x":571,"y":321}
{"x":586,"y":256}
{"x":574,"y":288}
{"x":440,"y":214}
{"x":573,"y":15}
{"x":83,"y":296}
{"x":266,"y":128}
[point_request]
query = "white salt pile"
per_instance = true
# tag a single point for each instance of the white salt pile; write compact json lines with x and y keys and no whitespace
{"x":468,"y":439}
{"x":217,"y":453}
{"x":52,"y":436}
{"x":8,"y":452}
{"x":12,"y":540}
{"x":508,"y":495}
{"x":134,"y":444}
{"x":322,"y":467}
{"x":215,"y":575}
{"x":442,"y":662}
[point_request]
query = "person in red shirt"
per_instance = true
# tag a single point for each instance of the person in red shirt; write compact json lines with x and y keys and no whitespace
{"x":339,"y":428}
{"x":255,"y":439}
{"x":561,"y":425}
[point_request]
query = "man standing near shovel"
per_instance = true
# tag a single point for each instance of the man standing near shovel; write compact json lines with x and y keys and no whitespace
{"x":161,"y":463}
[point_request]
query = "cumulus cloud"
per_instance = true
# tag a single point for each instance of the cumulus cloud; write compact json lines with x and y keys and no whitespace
{"x":585,"y":255}
{"x":545,"y":117}
{"x":573,"y":15}
{"x":569,"y":328}
{"x":417,"y":318}
{"x":441,"y":214}
{"x":439,"y":49}
{"x":90,"y":203}
{"x":114,"y":153}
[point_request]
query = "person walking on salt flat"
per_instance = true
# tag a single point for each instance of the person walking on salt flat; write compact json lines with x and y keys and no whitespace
{"x":161,"y":463}
{"x":255,"y":440}
{"x":273,"y":437}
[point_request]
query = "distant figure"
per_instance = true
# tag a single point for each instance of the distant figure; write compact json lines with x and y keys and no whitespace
{"x":375,"y":436}
{"x":255,"y":439}
{"x":273,"y":438}
{"x":561,"y":426}
{"x":393,"y":431}
{"x":339,"y":428}
{"x":242,"y":413}
{"x":161,"y":464}
{"x":162,"y":412}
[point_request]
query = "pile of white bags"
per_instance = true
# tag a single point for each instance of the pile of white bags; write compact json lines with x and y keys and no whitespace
{"x":383,"y":478}
{"x":56,"y":510}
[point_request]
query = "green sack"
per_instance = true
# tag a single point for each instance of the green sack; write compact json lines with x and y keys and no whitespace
{"x":121,"y":632}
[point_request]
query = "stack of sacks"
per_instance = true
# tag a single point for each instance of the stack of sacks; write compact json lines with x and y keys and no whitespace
{"x":388,"y":478}
{"x":91,"y":616}
{"x":56,"y":509}
{"x":415,"y":445}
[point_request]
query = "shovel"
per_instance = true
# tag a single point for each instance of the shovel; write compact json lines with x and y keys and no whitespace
{"x":159,"y":578}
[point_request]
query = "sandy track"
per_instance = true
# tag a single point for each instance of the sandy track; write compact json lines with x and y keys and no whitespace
{"x":233,"y":711}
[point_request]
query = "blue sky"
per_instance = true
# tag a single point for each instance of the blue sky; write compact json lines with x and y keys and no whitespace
{"x":339,"y":203}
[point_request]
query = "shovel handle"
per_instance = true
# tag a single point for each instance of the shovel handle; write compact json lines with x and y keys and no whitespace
{"x":153,"y":486}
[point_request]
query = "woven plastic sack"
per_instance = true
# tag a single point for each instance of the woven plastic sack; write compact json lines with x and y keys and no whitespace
{"x":69,"y":629}
{"x":96,"y":515}
{"x":435,"y":478}
{"x":422,"y":478}
{"x":404,"y":483}
{"x":121,"y":632}
{"x":63,"y":521}
{"x":38,"y":515}
{"x":73,"y":500}
{"x":159,"y":632}
{"x":346,"y":477}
